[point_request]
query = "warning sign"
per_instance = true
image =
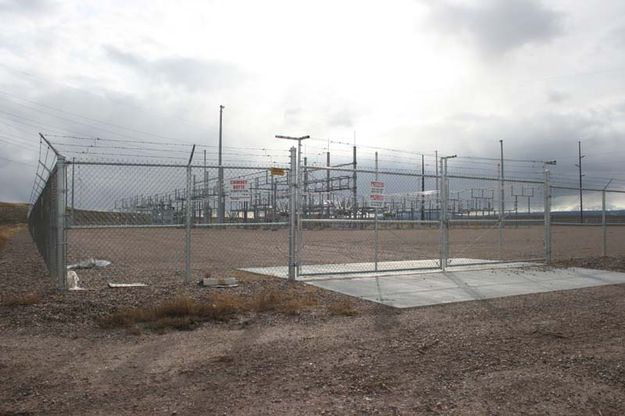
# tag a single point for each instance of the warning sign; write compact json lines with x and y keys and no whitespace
{"x":239,"y":190}
{"x":376,"y":194}
{"x":277,"y":172}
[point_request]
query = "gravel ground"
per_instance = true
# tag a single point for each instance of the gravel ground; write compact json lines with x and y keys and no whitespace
{"x":156,"y":253}
{"x":557,"y":353}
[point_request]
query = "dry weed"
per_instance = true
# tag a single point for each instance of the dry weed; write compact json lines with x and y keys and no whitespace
{"x":288,"y":301}
{"x":184,"y":313}
{"x":344,"y":307}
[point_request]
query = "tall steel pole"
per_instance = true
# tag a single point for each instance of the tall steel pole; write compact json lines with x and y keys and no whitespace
{"x":221,"y":203}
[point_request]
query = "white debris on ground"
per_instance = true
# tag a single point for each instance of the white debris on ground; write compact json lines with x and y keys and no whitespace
{"x":219,"y":283}
{"x":72,"y":281}
{"x":89,"y":264}
{"x":117,"y":285}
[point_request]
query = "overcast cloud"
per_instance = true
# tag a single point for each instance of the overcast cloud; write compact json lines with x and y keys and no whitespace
{"x":497,"y":27}
{"x":415,"y":75}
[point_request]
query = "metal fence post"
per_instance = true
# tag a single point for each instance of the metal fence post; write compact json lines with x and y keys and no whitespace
{"x":187,"y":218}
{"x":292,"y":214}
{"x":221,"y":205}
{"x":444,"y":237}
{"x":604,"y":226}
{"x":502,"y":209}
{"x":547,"y":211}
{"x":61,"y":243}
{"x":375,"y":223}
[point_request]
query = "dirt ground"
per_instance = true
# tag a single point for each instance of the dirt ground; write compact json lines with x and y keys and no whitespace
{"x":558,"y":353}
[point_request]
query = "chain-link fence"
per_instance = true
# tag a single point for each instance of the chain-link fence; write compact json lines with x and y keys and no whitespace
{"x":158,"y":221}
{"x":155,"y":222}
{"x":596,"y":230}
{"x":46,"y":218}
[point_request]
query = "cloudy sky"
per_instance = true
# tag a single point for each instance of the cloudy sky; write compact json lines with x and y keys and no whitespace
{"x":414,"y":75}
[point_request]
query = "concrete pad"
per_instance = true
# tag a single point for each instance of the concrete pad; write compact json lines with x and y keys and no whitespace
{"x":467,"y":280}
{"x":423,"y":289}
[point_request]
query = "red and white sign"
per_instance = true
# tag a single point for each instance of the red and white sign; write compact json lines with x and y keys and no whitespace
{"x":239,"y":190}
{"x":376,"y":194}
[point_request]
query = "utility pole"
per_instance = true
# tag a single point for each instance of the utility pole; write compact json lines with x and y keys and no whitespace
{"x":579,"y":165}
{"x":221,"y":203}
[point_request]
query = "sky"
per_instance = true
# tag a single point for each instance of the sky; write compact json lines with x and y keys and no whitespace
{"x":417,"y":76}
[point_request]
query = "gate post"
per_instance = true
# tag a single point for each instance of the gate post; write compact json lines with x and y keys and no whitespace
{"x":375,"y":224}
{"x":547,"y":211}
{"x":444,"y":236}
{"x":293,"y":175}
{"x":61,"y":243}
{"x":604,"y":226}
{"x":187,"y":233}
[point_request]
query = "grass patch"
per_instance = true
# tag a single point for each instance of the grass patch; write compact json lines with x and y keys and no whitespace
{"x":185,"y":313}
{"x":343,"y":307}
{"x":21,"y":299}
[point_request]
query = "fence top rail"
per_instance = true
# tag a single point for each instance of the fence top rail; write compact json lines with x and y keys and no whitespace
{"x":417,"y":174}
{"x":578,"y":224}
{"x":179,"y":226}
{"x":365,"y":221}
{"x":340,"y":169}
{"x":172,"y":165}
{"x":573,"y":188}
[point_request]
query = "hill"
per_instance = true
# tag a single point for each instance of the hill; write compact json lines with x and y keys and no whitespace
{"x":11,"y":213}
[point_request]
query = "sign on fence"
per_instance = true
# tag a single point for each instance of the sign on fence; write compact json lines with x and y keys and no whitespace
{"x":239,"y":190}
{"x":376,"y":194}
{"x":277,"y":172}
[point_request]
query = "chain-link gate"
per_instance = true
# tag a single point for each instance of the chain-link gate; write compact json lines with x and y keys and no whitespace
{"x":368,"y":221}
